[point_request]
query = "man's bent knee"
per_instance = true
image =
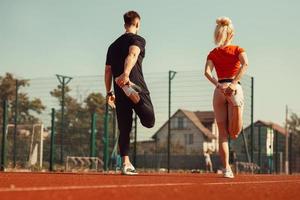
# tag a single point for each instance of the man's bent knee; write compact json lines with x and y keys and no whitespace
{"x":148,"y":123}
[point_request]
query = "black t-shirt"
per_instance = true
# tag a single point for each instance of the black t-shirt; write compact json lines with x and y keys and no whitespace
{"x":117,"y":53}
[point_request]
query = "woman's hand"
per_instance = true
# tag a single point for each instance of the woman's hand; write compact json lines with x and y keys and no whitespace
{"x":230,"y":90}
{"x":221,"y":87}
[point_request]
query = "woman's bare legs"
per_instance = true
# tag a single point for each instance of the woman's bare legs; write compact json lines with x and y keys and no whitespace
{"x":221,"y":114}
{"x":223,"y":144}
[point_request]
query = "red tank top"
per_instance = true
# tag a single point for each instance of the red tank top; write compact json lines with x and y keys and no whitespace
{"x":226,"y":60}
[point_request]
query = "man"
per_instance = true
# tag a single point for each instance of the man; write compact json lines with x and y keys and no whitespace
{"x":124,"y":65}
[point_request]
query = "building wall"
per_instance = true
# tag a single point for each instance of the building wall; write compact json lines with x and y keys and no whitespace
{"x":239,"y":146}
{"x":215,"y":132}
{"x":178,"y":138}
{"x":264,"y":140}
{"x":267,"y":148}
{"x":148,"y":147}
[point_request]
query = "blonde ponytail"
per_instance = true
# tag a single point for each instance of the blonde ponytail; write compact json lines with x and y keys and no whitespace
{"x":224,"y":31}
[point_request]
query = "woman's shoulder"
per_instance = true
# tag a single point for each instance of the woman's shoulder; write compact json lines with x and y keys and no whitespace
{"x":212,"y":51}
{"x":237,"y":49}
{"x":231,"y":50}
{"x":211,"y":54}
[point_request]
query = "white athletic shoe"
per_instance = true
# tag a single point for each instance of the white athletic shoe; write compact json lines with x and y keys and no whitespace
{"x":131,"y":94}
{"x":128,"y":90}
{"x":227,"y":173}
{"x":132,"y":91}
{"x":128,"y":170}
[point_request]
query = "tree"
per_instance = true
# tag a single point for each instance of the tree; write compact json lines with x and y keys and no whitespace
{"x":77,"y":123}
{"x":294,"y":128}
{"x":95,"y":102}
{"x":28,"y":111}
{"x":27,"y":108}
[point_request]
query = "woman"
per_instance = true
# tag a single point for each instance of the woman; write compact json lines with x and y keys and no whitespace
{"x":208,"y":163}
{"x":230,"y":63}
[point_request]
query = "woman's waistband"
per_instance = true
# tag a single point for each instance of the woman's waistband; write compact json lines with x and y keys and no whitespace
{"x":229,"y":80}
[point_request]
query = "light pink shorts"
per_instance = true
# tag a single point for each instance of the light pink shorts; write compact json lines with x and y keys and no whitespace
{"x":223,"y":104}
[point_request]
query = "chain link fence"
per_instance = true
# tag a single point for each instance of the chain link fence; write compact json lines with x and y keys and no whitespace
{"x":83,"y":127}
{"x":193,"y":130}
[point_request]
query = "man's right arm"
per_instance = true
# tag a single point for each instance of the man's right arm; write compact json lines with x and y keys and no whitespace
{"x":108,"y":78}
{"x":110,"y":97}
{"x":108,"y":72}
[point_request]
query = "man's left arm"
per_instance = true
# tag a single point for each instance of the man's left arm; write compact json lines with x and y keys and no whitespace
{"x":130,"y":61}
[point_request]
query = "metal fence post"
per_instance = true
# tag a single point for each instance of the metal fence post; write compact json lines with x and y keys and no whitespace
{"x":105,"y":139}
{"x":259,"y":148}
{"x":4,"y":136}
{"x":15,"y":124}
{"x":246,"y":145}
{"x":286,"y":166}
{"x":252,"y":119}
{"x":52,"y":144}
{"x":63,"y":80}
{"x":135,"y":140}
{"x":113,"y":161}
{"x":290,"y":152}
{"x":171,"y":76}
{"x":93,"y":136}
{"x":276,"y":152}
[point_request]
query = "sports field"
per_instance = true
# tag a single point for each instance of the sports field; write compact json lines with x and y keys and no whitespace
{"x":69,"y":186}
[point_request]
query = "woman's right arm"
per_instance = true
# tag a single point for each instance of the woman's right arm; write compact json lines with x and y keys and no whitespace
{"x":209,"y":66}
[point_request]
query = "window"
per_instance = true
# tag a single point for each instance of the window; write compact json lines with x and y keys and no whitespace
{"x":181,"y":123}
{"x":178,"y":123}
{"x":189,"y":139}
{"x":174,"y":123}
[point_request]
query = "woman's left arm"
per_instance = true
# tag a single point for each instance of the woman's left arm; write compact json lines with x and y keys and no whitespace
{"x":244,"y":66}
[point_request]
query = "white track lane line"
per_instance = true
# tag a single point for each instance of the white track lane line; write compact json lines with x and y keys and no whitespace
{"x":53,"y":188}
{"x":252,"y":182}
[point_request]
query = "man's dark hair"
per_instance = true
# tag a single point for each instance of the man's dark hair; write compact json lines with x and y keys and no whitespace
{"x":129,"y":17}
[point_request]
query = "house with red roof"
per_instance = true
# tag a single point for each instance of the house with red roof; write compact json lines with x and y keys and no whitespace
{"x":192,"y":132}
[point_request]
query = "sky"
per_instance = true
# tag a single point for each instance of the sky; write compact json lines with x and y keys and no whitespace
{"x":40,"y":38}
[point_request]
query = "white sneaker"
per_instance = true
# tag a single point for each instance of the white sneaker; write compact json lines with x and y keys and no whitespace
{"x":131,"y":94}
{"x":227,"y":173}
{"x":128,"y":90}
{"x":128,"y":170}
{"x":132,"y":91}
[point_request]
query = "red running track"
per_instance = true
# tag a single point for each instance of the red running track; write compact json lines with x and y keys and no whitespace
{"x":71,"y":186}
